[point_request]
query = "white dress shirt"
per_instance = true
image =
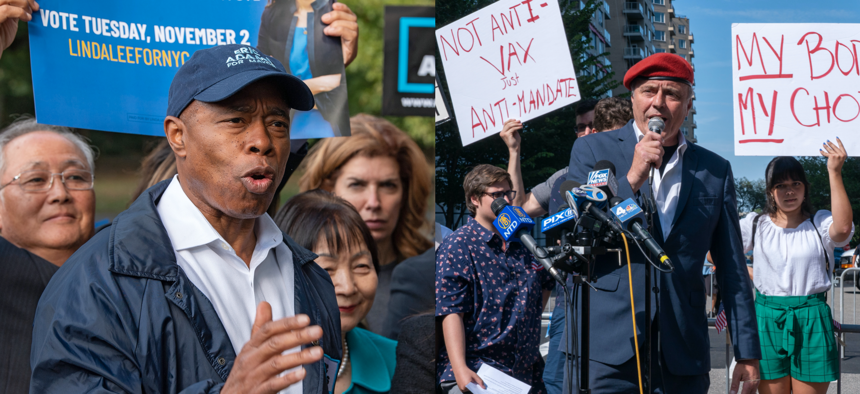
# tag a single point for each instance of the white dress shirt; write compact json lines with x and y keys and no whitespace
{"x":233,"y":287}
{"x":790,"y":261}
{"x":667,"y":189}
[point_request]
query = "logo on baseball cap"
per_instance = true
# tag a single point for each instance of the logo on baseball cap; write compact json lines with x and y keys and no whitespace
{"x":216,"y":73}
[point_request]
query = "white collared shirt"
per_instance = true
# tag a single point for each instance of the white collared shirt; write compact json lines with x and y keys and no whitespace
{"x":233,"y":288}
{"x":667,"y":189}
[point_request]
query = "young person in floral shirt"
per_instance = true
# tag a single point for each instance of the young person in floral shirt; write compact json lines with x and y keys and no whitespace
{"x":489,"y":294}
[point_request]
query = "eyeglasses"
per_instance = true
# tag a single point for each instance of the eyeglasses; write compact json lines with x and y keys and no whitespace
{"x":510,"y":194}
{"x":37,"y":181}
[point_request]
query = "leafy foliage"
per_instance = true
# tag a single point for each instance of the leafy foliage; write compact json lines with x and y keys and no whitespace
{"x":751,"y":195}
{"x":16,"y":87}
{"x":546,"y":141}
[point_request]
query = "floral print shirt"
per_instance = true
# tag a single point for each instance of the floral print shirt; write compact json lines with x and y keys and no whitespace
{"x":499,"y":292}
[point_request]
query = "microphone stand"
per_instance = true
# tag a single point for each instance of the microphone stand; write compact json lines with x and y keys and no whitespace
{"x":650,"y":211}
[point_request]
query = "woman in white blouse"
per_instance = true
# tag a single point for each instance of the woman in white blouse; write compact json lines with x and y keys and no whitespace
{"x":793,"y":252}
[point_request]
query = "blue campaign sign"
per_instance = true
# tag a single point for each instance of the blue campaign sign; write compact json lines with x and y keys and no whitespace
{"x":108,"y":65}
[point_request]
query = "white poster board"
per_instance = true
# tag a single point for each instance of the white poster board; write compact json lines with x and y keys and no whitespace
{"x":795,"y":86}
{"x":508,"y":60}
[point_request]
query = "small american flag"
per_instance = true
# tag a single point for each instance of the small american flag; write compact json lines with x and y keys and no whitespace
{"x":721,"y":323}
{"x":536,"y":266}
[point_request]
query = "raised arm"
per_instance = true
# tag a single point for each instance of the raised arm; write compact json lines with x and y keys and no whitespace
{"x":843,"y":216}
{"x":511,"y":136}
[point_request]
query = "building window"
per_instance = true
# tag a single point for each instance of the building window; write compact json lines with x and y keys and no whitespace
{"x":682,"y":44}
{"x":660,"y":50}
{"x":682,"y":29}
{"x":659,"y":17}
{"x":660,"y":35}
{"x":659,"y":2}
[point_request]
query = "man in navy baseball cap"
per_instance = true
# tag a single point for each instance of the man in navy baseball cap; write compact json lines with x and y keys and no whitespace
{"x":195,"y":278}
{"x":214,"y":74}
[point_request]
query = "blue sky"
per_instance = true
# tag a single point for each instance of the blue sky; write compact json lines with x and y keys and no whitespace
{"x":711,"y":24}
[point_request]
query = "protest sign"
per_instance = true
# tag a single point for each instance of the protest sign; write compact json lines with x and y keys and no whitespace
{"x":442,"y":113}
{"x":508,"y":60}
{"x":409,"y":65}
{"x":795,"y":86}
{"x":108,"y":65}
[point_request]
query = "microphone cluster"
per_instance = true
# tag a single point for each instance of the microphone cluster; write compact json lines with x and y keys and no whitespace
{"x":592,"y":219}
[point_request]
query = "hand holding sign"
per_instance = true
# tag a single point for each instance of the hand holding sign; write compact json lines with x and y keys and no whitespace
{"x":511,"y":134}
{"x":342,"y":23}
{"x":835,"y":155}
{"x":11,"y":11}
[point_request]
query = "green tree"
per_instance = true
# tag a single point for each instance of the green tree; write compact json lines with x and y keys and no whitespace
{"x":750,"y":194}
{"x":546,"y":141}
{"x":16,"y":87}
{"x":819,"y":184}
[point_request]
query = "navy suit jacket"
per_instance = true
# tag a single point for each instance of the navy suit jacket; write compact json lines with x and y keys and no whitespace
{"x":706,"y":219}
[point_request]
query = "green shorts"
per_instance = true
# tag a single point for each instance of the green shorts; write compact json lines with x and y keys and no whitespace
{"x":796,"y":334}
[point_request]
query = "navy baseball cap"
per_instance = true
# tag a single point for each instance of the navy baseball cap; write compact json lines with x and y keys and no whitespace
{"x":216,"y":73}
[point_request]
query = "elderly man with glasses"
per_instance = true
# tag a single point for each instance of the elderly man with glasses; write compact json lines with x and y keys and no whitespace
{"x":46,"y":213}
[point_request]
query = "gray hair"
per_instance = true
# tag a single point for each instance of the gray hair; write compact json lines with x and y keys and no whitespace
{"x":26,"y":125}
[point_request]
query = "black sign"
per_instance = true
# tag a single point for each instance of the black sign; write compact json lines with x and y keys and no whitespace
{"x":409,"y":71}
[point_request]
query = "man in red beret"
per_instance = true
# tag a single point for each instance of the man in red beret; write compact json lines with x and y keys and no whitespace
{"x":693,"y":190}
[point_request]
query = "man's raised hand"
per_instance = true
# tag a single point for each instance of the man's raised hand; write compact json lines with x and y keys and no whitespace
{"x":649,"y":151}
{"x":259,"y":365}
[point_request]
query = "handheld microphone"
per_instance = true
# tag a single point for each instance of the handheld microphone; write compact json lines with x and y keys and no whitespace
{"x":631,"y":216}
{"x":514,"y":224}
{"x":603,"y":177}
{"x":656,"y":124}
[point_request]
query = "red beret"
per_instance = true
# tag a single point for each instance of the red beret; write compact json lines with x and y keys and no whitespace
{"x":664,"y":66}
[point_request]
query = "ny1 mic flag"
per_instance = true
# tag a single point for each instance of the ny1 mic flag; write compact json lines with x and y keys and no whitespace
{"x":510,"y":59}
{"x":795,"y":86}
{"x":107,"y":65}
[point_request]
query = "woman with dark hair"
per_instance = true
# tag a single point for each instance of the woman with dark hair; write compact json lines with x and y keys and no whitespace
{"x":793,"y":249}
{"x":330,"y":227}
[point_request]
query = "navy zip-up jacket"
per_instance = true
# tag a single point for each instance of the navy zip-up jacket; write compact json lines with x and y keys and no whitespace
{"x":120,"y":316}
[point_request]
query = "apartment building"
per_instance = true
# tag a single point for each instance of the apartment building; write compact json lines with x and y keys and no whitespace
{"x":673,"y":35}
{"x":631,"y":30}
